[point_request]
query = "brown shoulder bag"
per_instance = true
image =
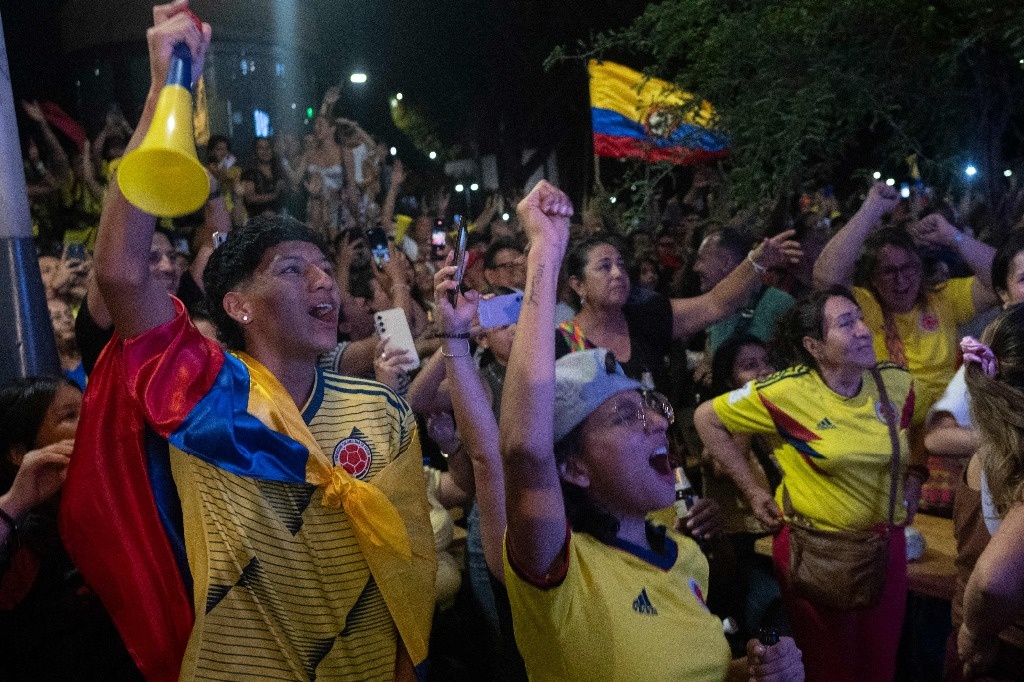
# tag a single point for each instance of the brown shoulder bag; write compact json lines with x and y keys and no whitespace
{"x":843,"y":570}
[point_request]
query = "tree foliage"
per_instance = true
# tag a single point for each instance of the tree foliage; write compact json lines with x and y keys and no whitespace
{"x":808,"y":89}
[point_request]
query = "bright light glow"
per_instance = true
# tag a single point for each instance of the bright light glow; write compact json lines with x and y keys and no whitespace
{"x":905,"y":192}
{"x":294,"y":105}
{"x":876,"y":175}
{"x":398,"y":96}
{"x":971,"y":171}
{"x":504,"y":216}
{"x":261,"y":123}
{"x":474,"y":187}
{"x":394,"y":152}
{"x":394,"y":102}
{"x":432,"y":155}
{"x":1007,"y":173}
{"x":612,"y":199}
{"x":459,"y":187}
{"x":309,"y":112}
{"x":890,"y":182}
{"x":358,"y":78}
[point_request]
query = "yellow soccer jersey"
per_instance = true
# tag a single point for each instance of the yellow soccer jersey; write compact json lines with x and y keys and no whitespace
{"x":834,"y":452}
{"x":620,"y":614}
{"x":929,"y":337}
{"x":282,"y":590}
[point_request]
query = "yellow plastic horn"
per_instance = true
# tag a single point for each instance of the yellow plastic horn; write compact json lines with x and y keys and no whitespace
{"x":163,"y":176}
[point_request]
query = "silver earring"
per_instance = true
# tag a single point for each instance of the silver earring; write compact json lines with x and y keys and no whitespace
{"x":245,"y":318}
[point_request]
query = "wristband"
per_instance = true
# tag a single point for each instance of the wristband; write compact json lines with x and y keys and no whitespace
{"x":919,"y":471}
{"x":454,"y":335}
{"x":758,"y":268}
{"x":456,"y":355}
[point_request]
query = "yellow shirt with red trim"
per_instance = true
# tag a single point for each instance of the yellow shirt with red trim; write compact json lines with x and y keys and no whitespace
{"x":620,"y":613}
{"x":834,"y":452}
{"x":929,"y":336}
{"x":282,"y":589}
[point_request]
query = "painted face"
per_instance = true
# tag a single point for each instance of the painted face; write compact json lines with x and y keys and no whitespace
{"x":751,"y":363}
{"x":624,"y":456}
{"x":605,"y":280}
{"x":61,"y":418}
{"x":897,"y":278}
{"x":509,"y":270}
{"x":162,"y":262}
{"x":713,"y":263}
{"x":293,"y":300}
{"x":847,"y":340}
{"x":1014,"y":282}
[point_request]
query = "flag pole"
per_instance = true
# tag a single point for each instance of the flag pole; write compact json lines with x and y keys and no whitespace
{"x":27,"y":346}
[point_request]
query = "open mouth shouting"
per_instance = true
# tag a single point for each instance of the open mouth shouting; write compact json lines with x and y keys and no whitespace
{"x":659,"y":461}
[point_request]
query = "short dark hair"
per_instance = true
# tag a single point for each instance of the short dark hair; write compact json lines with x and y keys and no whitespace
{"x":806,"y":318}
{"x":499,"y":245}
{"x":236,"y":260}
{"x":733,"y":241}
{"x":725,"y":357}
{"x":893,"y":236}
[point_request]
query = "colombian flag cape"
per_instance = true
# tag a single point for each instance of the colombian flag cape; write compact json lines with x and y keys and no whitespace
{"x":121,"y":519}
{"x":648,"y":118}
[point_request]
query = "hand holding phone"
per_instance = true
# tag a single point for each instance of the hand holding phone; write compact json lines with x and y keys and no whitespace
{"x":378,"y":246}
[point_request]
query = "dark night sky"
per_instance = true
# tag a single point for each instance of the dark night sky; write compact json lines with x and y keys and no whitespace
{"x":474,"y":67}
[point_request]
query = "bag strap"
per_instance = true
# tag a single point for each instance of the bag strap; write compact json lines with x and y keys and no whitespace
{"x":894,"y":468}
{"x":890,"y":419}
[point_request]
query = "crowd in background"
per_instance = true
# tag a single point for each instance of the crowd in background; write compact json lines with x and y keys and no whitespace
{"x":690,"y":303}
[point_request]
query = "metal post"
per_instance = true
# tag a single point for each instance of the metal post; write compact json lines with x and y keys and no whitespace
{"x":27,"y":346}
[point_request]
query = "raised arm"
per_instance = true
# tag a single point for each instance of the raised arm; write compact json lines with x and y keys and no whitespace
{"x":935,"y":229}
{"x":215,"y":219}
{"x":387,"y":210}
{"x":836,"y":263}
{"x":58,"y":157}
{"x":691,"y":315}
{"x":533,"y":494}
{"x":136,"y":302}
{"x":477,"y":427}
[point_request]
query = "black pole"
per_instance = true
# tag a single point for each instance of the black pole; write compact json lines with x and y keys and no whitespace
{"x":27,"y":346}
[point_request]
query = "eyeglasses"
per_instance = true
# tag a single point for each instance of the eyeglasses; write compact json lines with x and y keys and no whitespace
{"x":630,"y":414}
{"x":902,"y":272}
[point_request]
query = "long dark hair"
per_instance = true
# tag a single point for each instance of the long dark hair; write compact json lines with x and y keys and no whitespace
{"x":576,"y":260}
{"x":725,"y":357}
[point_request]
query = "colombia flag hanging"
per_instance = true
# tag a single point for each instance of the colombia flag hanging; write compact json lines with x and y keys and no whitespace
{"x":648,"y":118}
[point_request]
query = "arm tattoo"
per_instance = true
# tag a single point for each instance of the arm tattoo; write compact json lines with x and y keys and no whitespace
{"x":538,"y":279}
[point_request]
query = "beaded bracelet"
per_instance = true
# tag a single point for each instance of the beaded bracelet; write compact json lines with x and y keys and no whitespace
{"x":459,"y":335}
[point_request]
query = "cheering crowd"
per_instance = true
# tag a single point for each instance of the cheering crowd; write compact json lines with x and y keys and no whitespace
{"x":243,"y":473}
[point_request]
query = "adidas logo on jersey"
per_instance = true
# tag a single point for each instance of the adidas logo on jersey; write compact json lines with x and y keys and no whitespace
{"x":825,"y":424}
{"x":642,"y":604}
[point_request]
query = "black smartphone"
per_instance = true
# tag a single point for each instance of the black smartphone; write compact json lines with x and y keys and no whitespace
{"x":460,"y":257}
{"x":378,"y":246}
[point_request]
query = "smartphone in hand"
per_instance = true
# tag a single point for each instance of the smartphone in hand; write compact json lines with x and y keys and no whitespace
{"x":460,"y":258}
{"x":378,"y":246}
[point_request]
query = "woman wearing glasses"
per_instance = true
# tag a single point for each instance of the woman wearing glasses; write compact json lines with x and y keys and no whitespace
{"x":598,"y":592}
{"x":830,"y":436}
{"x":912,"y":323}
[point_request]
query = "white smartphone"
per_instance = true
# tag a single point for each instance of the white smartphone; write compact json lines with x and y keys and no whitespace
{"x":500,"y":310}
{"x":393,"y":323}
